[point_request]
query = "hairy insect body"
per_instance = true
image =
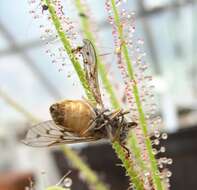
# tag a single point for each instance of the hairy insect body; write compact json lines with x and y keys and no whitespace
{"x":73,"y":115}
{"x":78,"y":117}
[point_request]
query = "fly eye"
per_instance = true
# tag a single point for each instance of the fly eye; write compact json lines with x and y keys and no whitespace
{"x":53,"y":108}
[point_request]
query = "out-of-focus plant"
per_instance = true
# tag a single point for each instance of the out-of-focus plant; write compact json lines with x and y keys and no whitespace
{"x":18,"y":107}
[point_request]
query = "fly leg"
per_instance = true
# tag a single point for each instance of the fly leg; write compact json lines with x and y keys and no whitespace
{"x":124,"y":132}
{"x":96,"y":120}
{"x":120,"y":131}
{"x":126,"y":150}
{"x":109,"y":119}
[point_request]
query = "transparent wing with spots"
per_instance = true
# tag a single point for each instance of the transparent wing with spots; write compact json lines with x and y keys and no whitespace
{"x":91,"y":70}
{"x":48,"y":134}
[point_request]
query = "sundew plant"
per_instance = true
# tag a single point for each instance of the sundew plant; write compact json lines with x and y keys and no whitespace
{"x":142,"y":164}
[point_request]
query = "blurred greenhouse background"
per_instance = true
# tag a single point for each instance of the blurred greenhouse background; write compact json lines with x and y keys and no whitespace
{"x":30,"y":80}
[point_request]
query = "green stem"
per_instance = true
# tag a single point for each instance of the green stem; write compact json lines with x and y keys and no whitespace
{"x":19,"y":108}
{"x":86,"y":28}
{"x":136,"y":150}
{"x":143,"y":123}
{"x":68,"y":48}
{"x":127,"y":163}
{"x":89,"y":175}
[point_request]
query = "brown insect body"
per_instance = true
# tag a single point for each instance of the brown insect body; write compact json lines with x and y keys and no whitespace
{"x":73,"y":115}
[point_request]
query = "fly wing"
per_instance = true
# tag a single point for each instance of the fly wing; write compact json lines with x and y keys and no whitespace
{"x":48,"y":134}
{"x":91,"y":70}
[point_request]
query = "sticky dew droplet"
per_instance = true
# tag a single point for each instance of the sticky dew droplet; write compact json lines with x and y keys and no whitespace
{"x":162,"y":149}
{"x":156,"y":142}
{"x":168,"y":173}
{"x":157,"y":133}
{"x":67,"y":182}
{"x":154,"y":150}
{"x":169,"y":161}
{"x":164,"y":136}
